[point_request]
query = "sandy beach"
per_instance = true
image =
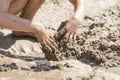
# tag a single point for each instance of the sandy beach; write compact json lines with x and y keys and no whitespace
{"x":94,"y":56}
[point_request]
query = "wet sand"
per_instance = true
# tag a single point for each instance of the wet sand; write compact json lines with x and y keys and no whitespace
{"x":94,"y":56}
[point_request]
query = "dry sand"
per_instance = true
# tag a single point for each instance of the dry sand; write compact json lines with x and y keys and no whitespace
{"x":95,"y":55}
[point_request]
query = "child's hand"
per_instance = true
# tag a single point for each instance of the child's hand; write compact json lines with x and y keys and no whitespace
{"x":45,"y":37}
{"x":69,"y":29}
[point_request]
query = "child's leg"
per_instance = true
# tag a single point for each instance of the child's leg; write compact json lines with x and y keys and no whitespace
{"x":31,"y":8}
{"x":17,"y":6}
{"x":28,"y":13}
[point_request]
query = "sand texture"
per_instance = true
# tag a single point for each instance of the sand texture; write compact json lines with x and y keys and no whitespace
{"x":95,"y":55}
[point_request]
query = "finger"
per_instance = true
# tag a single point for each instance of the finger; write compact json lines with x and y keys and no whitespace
{"x":70,"y":38}
{"x":51,"y":34}
{"x":67,"y":36}
{"x":44,"y":44}
{"x":74,"y":36}
{"x":50,"y":45}
{"x":52,"y":39}
{"x":53,"y":42}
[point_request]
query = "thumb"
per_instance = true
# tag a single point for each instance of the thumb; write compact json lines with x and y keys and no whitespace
{"x":60,"y":34}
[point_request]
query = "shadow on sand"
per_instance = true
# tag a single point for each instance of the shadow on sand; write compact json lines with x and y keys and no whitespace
{"x":7,"y":41}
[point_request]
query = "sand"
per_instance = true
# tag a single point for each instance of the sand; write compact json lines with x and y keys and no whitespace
{"x":94,"y":56}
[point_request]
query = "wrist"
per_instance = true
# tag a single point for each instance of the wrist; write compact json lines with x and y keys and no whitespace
{"x":80,"y":10}
{"x":37,"y":27}
{"x":79,"y":17}
{"x":76,"y":19}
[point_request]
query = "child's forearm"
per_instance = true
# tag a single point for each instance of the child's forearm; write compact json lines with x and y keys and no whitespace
{"x":80,"y":8}
{"x":15,"y":23}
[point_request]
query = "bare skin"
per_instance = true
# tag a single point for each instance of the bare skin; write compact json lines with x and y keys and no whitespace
{"x":25,"y":23}
{"x":29,"y":8}
{"x":72,"y":25}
